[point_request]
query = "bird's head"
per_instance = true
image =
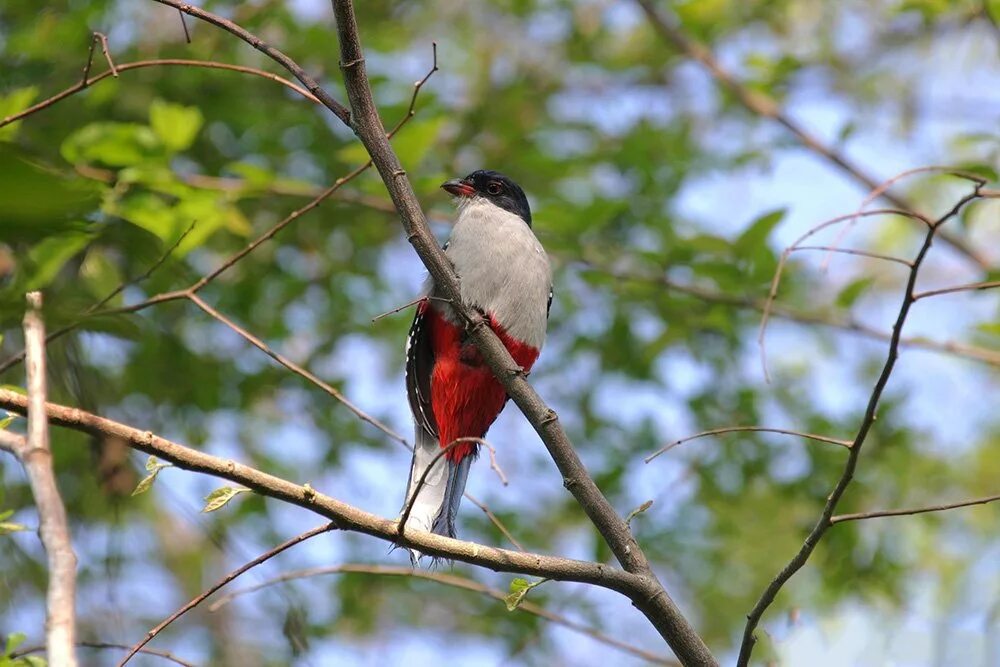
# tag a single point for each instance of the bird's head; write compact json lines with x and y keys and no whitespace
{"x":493,"y":187}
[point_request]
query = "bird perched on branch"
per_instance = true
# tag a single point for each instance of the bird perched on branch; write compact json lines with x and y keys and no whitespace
{"x":505,"y":275}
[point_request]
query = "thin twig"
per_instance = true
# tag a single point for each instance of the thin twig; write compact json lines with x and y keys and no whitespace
{"x":187,"y":34}
{"x":267,"y":555}
{"x":53,"y":528}
{"x":823,"y":523}
{"x":859,"y":516}
{"x":166,"y":655}
{"x":293,"y":367}
{"x":970,"y":287}
{"x":772,"y":293}
{"x":765,"y":106}
{"x":495,"y":520}
{"x":752,"y":429}
{"x":338,"y":109}
{"x":789,"y":313}
{"x":142,"y":64}
{"x":103,"y":39}
{"x":448,"y":580}
{"x":831,"y":249}
{"x":405,"y":515}
{"x":398,"y":310}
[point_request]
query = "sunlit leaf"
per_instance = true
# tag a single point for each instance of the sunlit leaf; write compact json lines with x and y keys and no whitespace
{"x":113,"y":144}
{"x":217,"y":499}
{"x":175,"y":125}
{"x":14,"y":102}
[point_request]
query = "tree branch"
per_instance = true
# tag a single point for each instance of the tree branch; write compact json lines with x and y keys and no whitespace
{"x":752,"y":429}
{"x":764,"y":106}
{"x":109,"y":645}
{"x":53,"y":529}
{"x":198,"y":599}
{"x":791,"y":314}
{"x":840,"y":518}
{"x":141,"y":64}
{"x":824,"y":522}
{"x":338,"y":109}
{"x":654,"y":601}
{"x":344,"y":516}
{"x":448,"y":580}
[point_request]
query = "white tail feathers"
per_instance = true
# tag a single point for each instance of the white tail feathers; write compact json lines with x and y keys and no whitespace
{"x":438,"y":498}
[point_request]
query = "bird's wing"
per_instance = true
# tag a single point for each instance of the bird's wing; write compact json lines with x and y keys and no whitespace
{"x":419,"y":366}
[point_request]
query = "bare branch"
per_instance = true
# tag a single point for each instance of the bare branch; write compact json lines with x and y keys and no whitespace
{"x":783,"y":260}
{"x":655,"y":603}
{"x":852,"y":251}
{"x":495,"y":520}
{"x":971,"y":287}
{"x":789,"y":313}
{"x":338,"y":109}
{"x":448,"y":580}
{"x":840,"y":518}
{"x":344,"y":516}
{"x":765,"y":106}
{"x":752,"y":429}
{"x":293,"y":367}
{"x":53,"y":528}
{"x":267,"y":555}
{"x":823,"y":523}
{"x":166,"y":655}
{"x":142,"y":64}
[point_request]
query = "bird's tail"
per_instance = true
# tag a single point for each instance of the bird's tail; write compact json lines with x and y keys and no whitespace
{"x":437,"y":499}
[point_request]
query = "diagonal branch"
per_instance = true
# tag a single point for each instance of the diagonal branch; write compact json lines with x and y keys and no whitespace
{"x":764,"y":106}
{"x":338,"y":109}
{"x":654,"y":602}
{"x":343,"y":515}
{"x":868,"y":420}
{"x":198,"y":599}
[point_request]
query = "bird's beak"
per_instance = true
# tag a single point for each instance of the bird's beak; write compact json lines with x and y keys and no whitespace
{"x":458,"y":187}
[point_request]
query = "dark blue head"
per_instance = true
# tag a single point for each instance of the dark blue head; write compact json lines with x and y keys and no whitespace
{"x":495,"y":187}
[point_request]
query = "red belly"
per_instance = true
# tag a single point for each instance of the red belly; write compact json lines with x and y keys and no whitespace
{"x":465,"y":396}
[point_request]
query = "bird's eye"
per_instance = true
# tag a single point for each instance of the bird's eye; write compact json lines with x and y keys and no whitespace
{"x":494,"y":188}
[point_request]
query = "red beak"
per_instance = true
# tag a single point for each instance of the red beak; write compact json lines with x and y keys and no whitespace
{"x":458,"y":187}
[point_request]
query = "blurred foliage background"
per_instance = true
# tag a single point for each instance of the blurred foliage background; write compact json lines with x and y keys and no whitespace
{"x":646,"y":179}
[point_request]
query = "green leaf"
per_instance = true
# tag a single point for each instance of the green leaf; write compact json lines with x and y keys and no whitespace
{"x":39,"y":201}
{"x":982,"y":170}
{"x":175,"y":125}
{"x":217,"y":499}
{"x":113,"y":144}
{"x":11,"y":527}
{"x":518,"y":589}
{"x":47,"y":257}
{"x":4,"y":423}
{"x":14,"y":102}
{"x":755,"y":235}
{"x":153,"y":467}
{"x":852,"y":291}
{"x":14,"y":640}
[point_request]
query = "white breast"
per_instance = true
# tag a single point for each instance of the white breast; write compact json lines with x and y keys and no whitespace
{"x":503,"y":269}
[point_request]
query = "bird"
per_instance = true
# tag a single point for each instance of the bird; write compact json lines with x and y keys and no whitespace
{"x":504,"y":274}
